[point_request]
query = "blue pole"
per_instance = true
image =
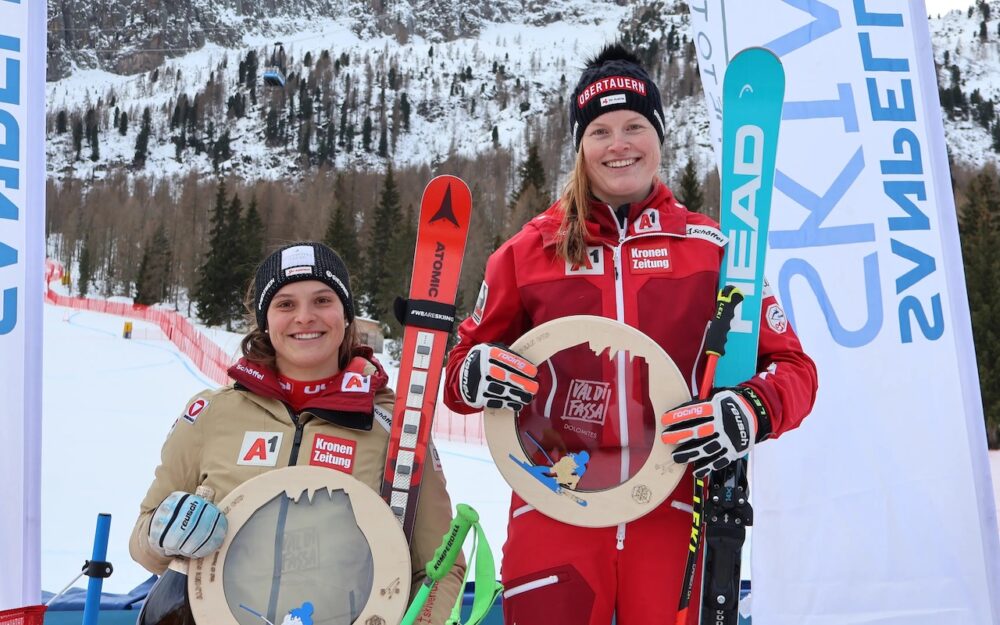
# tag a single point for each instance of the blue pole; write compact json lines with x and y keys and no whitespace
{"x":92,"y":608}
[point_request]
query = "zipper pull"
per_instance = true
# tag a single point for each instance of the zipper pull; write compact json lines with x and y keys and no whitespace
{"x":621,"y":536}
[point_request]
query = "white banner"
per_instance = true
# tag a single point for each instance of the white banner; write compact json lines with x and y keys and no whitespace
{"x":879,"y":509}
{"x":22,"y":253}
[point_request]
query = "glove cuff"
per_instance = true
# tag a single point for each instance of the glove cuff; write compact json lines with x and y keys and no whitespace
{"x":764,"y":428}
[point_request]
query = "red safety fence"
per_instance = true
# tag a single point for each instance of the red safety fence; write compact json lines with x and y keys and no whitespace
{"x":30,"y":615}
{"x":213,"y":361}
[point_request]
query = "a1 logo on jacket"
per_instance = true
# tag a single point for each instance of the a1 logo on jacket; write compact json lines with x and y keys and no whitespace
{"x":260,"y":449}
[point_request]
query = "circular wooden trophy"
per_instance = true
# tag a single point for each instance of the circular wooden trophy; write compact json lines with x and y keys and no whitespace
{"x":543,"y":469}
{"x":305,"y":545}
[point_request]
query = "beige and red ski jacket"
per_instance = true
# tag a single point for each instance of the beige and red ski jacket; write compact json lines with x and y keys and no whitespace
{"x":229,"y":435}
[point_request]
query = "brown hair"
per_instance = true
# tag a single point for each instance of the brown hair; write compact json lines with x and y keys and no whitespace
{"x":571,"y":243}
{"x":258,"y":349}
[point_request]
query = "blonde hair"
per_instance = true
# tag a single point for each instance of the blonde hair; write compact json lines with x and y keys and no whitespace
{"x":256,"y":346}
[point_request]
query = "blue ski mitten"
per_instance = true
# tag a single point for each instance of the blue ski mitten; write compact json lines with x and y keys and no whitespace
{"x":187,"y":525}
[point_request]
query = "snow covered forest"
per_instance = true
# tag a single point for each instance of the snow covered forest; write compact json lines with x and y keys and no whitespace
{"x":172,"y":165}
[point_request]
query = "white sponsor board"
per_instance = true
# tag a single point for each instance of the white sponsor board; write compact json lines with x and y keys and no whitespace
{"x":22,"y":171}
{"x":879,"y":508}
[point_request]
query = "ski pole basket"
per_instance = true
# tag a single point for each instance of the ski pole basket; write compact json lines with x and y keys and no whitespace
{"x":29,"y":615}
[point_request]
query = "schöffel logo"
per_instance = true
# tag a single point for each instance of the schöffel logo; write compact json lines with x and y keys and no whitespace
{"x":587,"y":401}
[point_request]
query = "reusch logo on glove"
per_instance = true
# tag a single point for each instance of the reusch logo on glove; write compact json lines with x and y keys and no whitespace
{"x":739,"y":419}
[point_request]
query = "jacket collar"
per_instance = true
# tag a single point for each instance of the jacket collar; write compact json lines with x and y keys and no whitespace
{"x":348,"y":399}
{"x":602,"y":224}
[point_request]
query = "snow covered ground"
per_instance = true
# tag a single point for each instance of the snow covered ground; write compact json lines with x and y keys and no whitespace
{"x":108,"y":404}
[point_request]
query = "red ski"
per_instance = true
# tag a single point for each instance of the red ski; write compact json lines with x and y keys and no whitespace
{"x":428,"y":317}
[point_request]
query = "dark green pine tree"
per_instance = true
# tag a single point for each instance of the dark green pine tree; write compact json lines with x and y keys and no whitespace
{"x":217,"y":285}
{"x":979,"y":227}
{"x":142,"y":139}
{"x":531,"y":197}
{"x":379,"y":277}
{"x":251,"y":250}
{"x":689,"y":192}
{"x":153,"y":282}
{"x":400,"y":257}
{"x":84,"y":268}
{"x":341,"y":234}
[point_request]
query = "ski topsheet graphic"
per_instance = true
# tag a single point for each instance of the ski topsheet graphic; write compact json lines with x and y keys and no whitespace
{"x":428,"y":315}
{"x":753,"y":92}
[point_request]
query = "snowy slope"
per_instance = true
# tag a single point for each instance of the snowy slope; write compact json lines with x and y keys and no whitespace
{"x":108,"y":405}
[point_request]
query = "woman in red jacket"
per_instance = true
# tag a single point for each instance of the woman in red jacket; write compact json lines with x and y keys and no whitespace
{"x":616,"y":244}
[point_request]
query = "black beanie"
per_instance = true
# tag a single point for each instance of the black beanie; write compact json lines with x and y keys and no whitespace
{"x":297,"y":262}
{"x":612,"y":81}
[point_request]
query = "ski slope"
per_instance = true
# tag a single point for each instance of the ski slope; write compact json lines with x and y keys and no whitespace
{"x":108,"y":404}
{"x":107,"y":407}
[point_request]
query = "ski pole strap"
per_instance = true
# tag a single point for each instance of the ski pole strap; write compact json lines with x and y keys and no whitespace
{"x":725,"y":308}
{"x":424,"y":313}
{"x":486,"y":589}
{"x":443,"y":560}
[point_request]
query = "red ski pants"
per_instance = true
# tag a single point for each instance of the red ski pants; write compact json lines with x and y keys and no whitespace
{"x":560,"y":574}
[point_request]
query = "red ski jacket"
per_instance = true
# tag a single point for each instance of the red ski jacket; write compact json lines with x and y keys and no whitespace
{"x":660,"y":275}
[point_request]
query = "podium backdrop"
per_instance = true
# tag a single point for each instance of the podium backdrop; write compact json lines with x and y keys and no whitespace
{"x":879,"y":509}
{"x":22,"y":250}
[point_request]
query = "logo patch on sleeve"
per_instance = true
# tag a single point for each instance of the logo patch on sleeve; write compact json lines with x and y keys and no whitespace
{"x":260,"y":449}
{"x":333,"y":453}
{"x":776,"y":319}
{"x":650,"y":258}
{"x":647,"y":221}
{"x":194,"y":409}
{"x":477,"y":312}
{"x":355,"y":383}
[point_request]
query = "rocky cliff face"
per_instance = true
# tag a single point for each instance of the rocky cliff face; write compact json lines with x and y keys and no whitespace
{"x":132,"y":36}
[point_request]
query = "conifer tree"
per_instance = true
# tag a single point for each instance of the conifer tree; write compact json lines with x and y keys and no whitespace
{"x":77,"y":137}
{"x":378,"y":278}
{"x":689,"y":192}
{"x":979,"y":227}
{"x":142,"y":139}
{"x":217,"y":294}
{"x":250,"y":251}
{"x":84,"y":268}
{"x":341,"y":234}
{"x":153,"y":281}
{"x":123,"y":123}
{"x":532,"y":197}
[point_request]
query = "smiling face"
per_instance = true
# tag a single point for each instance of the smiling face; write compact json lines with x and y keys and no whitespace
{"x":622,"y":154}
{"x":306,"y":324}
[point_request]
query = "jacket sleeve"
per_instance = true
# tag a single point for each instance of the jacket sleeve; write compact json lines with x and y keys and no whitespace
{"x":786,"y":380}
{"x":178,"y":470}
{"x":500,"y":317}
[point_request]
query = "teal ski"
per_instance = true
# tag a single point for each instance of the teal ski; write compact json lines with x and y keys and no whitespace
{"x":753,"y":92}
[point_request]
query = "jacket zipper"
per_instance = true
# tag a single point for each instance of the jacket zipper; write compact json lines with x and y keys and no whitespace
{"x":293,"y":457}
{"x":620,"y":363}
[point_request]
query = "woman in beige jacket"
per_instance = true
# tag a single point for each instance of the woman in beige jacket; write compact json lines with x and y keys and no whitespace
{"x":306,"y":392}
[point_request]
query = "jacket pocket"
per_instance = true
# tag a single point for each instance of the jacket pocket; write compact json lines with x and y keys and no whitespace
{"x":554,"y":596}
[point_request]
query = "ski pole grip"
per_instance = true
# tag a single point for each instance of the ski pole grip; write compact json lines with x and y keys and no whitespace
{"x":725,"y":309}
{"x":451,"y":545}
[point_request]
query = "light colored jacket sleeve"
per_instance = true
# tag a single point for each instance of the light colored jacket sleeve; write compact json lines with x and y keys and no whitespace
{"x":179,"y":469}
